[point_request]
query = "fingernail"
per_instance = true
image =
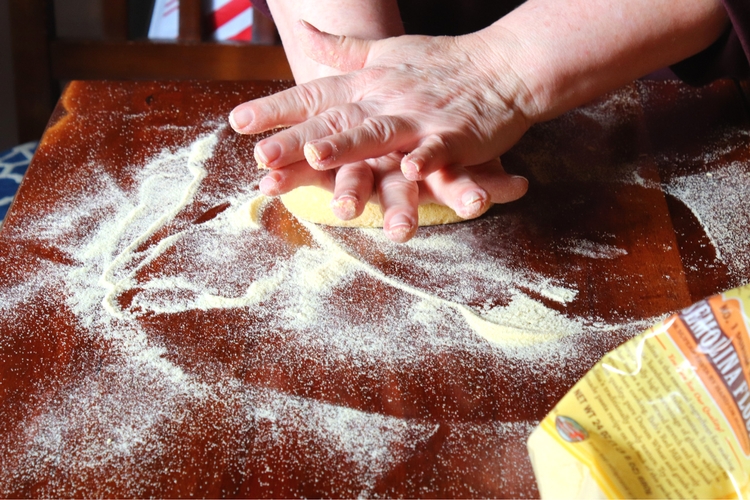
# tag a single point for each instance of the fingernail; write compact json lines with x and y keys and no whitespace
{"x":241,"y":118}
{"x":267,"y":153}
{"x":400,"y":228}
{"x":269,"y":186}
{"x":317,"y":152}
{"x":521,"y":182}
{"x":522,"y":185}
{"x":411,"y":169}
{"x":471,"y":197}
{"x":345,"y":207}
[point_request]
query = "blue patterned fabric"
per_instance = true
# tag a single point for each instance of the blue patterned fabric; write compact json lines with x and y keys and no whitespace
{"x":13,"y":165}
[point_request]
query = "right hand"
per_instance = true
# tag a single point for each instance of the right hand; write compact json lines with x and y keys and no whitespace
{"x":381,"y":181}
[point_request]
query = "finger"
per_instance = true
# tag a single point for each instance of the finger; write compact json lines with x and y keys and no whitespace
{"x":283,"y":180}
{"x":294,"y":105}
{"x":398,"y":198}
{"x":377,"y":136}
{"x":455,"y":188}
{"x":501,"y":186}
{"x":430,"y":156}
{"x":354,"y":187}
{"x":344,"y":53}
{"x":286,"y":147}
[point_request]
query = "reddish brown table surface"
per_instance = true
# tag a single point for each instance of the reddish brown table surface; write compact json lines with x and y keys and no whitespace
{"x":637,"y":207}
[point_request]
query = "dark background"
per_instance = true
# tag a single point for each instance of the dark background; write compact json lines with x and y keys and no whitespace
{"x":83,"y":19}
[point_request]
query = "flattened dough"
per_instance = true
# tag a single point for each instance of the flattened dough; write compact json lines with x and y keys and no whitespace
{"x":313,"y":204}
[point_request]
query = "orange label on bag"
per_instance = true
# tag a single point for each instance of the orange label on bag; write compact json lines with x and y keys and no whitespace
{"x":712,"y":336}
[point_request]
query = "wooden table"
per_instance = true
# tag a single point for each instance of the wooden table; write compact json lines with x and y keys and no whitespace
{"x":155,"y":341}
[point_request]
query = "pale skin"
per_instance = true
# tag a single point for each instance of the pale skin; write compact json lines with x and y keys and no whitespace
{"x":408,"y":119}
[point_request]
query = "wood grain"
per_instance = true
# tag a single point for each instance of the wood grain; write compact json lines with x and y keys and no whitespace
{"x":263,"y":410}
{"x":136,"y":60}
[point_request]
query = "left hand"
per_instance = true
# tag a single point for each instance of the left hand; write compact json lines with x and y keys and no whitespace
{"x":380,"y":180}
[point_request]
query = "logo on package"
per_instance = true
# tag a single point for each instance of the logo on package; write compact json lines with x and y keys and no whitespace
{"x":570,"y":430}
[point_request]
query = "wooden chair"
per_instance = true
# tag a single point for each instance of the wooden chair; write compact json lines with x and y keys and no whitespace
{"x":42,"y":60}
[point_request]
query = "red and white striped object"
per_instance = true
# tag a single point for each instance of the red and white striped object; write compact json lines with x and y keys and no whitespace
{"x":171,"y":7}
{"x":230,"y":20}
{"x":223,"y":19}
{"x":164,"y":20}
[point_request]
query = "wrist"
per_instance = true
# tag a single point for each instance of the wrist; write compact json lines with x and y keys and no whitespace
{"x":367,"y":20}
{"x":563,"y":53}
{"x":497,"y":57}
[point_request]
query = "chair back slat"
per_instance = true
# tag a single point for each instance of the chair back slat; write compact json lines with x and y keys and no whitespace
{"x":115,"y":19}
{"x":264,"y":31}
{"x":191,"y":29}
{"x":32,"y":26}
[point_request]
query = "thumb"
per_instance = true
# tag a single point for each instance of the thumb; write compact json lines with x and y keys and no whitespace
{"x":344,"y":53}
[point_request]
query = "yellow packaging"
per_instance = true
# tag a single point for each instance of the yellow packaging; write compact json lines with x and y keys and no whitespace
{"x":665,"y":415}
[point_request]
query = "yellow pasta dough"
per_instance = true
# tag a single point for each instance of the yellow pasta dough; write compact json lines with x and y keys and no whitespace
{"x":313,"y":204}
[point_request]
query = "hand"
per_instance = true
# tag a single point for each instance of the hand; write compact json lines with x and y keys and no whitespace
{"x":455,"y":102}
{"x":380,"y":181}
{"x":439,"y":99}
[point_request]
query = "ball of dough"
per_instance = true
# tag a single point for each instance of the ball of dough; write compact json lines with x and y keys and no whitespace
{"x":313,"y":204}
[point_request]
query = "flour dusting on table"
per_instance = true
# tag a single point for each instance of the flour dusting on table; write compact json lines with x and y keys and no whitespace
{"x":132,"y":262}
{"x":716,"y":201}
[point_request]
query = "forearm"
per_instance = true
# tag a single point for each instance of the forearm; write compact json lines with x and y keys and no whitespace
{"x":566,"y":52}
{"x":369,"y":19}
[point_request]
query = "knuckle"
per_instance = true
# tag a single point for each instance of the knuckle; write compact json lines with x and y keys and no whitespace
{"x":397,"y":185}
{"x":335,"y":120}
{"x":308,"y":97}
{"x":441,"y":177}
{"x":435,"y":150}
{"x":381,"y":128}
{"x":359,"y":174}
{"x":293,"y":138}
{"x":371,"y":74}
{"x":440,"y":143}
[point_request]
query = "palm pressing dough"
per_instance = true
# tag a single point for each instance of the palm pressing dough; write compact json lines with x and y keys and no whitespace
{"x":313,"y":204}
